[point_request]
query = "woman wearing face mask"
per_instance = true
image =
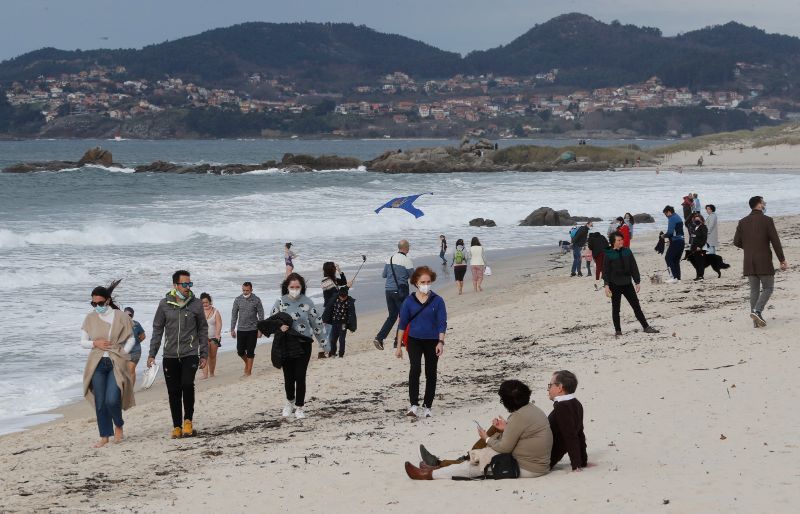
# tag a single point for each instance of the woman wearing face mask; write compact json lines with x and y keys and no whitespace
{"x":423,"y":323}
{"x":630,"y":222}
{"x":107,"y":384}
{"x":459,"y":264}
{"x":307,"y":321}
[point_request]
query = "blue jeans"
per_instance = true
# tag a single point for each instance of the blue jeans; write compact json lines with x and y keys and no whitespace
{"x":394,"y":300}
{"x":576,"y":260}
{"x":107,"y":398}
{"x":673,"y":257}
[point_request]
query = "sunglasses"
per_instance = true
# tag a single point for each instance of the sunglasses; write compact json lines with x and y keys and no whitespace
{"x":98,"y":304}
{"x":185,"y":284}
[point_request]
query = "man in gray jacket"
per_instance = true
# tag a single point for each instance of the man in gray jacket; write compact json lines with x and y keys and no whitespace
{"x":181,"y":322}
{"x":247,"y":309}
{"x":713,"y":229}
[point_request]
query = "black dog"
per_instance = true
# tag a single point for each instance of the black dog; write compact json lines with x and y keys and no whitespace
{"x":701,"y":260}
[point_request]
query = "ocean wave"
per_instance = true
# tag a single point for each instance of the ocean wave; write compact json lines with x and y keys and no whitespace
{"x":26,"y":278}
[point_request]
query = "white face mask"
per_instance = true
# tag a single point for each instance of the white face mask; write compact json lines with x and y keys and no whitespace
{"x":246,"y":295}
{"x":424,"y":288}
{"x":294,"y":293}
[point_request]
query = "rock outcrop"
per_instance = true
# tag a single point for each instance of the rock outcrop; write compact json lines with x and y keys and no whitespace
{"x":480,"y":222}
{"x":643,"y":217}
{"x":93,"y":157}
{"x":547,"y":217}
{"x":323,"y":162}
{"x":290,"y":163}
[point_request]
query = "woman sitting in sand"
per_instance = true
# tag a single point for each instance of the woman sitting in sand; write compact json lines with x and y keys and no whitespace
{"x":107,"y":384}
{"x":526,"y":436}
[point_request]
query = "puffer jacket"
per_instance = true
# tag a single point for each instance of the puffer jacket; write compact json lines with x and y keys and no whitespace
{"x":182,"y":325}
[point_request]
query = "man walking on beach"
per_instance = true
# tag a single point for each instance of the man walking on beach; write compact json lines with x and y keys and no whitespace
{"x":578,"y":242}
{"x":674,"y":237}
{"x":181,"y":322}
{"x":396,"y":271}
{"x":754,"y":234}
{"x":248,"y":311}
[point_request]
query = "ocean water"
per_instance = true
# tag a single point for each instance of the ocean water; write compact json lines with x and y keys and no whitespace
{"x":62,"y":233}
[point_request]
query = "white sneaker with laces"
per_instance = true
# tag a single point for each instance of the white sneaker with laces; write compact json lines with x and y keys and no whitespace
{"x":426,"y":412}
{"x":413,"y":411}
{"x":288,"y":410}
{"x":299,"y":414}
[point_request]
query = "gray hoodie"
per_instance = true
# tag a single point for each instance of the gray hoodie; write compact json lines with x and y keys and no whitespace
{"x":183,"y":326}
{"x":248,"y":311}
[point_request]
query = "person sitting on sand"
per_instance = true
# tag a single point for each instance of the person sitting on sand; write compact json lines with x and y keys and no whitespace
{"x":108,"y":332}
{"x":526,"y":436}
{"x":566,"y":421}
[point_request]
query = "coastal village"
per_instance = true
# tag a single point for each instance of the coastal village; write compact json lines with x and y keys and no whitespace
{"x":111,"y":92}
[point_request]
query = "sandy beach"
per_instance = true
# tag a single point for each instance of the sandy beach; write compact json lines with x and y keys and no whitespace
{"x":698,"y":418}
{"x":736,"y":157}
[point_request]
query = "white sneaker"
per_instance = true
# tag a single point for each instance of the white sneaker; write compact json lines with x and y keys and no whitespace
{"x":288,"y":410}
{"x":426,"y":413}
{"x":413,"y":411}
{"x":671,"y":281}
{"x":299,"y":414}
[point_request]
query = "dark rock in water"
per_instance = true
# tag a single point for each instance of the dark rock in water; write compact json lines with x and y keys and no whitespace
{"x":97,"y":156}
{"x":157,"y":167}
{"x":643,"y":217}
{"x":547,"y":217}
{"x":480,"y":222}
{"x":323,"y":162}
{"x":215,"y":169}
{"x":29,"y":167}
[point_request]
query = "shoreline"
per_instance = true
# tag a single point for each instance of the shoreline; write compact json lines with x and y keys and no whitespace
{"x":679,"y":417}
{"x":228,"y":363}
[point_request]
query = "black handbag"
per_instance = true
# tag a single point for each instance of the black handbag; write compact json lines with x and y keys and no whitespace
{"x":502,"y":466}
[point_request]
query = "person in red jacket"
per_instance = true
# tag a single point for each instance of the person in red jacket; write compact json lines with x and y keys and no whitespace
{"x":566,"y":421}
{"x":625,"y":230}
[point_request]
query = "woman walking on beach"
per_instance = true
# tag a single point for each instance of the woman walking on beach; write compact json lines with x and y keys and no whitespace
{"x":307,"y":322}
{"x":442,"y":249}
{"x":630,"y":222}
{"x":459,"y":264}
{"x":477,"y":263}
{"x":214,"y":319}
{"x":136,"y":351}
{"x":107,"y":385}
{"x":288,"y":258}
{"x":423,"y":323}
{"x":621,"y":278}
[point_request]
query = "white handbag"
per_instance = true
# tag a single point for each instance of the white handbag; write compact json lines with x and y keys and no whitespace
{"x":487,"y":271}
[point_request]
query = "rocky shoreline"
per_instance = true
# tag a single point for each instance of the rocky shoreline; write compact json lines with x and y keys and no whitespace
{"x":481,"y":156}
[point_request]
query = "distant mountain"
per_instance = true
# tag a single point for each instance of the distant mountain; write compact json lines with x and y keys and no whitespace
{"x":336,"y":56}
{"x":316,"y":52}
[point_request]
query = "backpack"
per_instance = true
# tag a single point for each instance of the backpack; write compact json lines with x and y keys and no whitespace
{"x":459,"y":257}
{"x":502,"y":465}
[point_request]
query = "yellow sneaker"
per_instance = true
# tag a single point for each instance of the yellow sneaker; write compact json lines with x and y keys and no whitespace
{"x":187,"y":428}
{"x":176,"y":433}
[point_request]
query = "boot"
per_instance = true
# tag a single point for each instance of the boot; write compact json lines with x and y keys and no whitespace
{"x":414,"y":473}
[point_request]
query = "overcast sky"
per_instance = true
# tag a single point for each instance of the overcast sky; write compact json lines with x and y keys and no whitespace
{"x":457,"y":25}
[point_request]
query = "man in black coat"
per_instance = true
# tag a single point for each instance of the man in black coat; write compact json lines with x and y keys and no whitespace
{"x":578,"y":242}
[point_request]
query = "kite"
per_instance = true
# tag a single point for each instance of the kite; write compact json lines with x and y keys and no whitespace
{"x":404,"y":202}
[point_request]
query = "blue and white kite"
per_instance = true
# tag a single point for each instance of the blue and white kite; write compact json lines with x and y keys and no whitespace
{"x":404,"y":202}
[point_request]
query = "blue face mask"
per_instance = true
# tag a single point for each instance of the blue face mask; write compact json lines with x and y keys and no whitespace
{"x":179,"y":295}
{"x":101,"y":309}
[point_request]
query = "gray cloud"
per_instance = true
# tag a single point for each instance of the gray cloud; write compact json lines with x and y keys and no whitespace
{"x":460,"y":26}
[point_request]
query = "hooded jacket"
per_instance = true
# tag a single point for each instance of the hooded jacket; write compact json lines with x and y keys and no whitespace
{"x":327,"y":314}
{"x":619,"y":267}
{"x":183,"y":326}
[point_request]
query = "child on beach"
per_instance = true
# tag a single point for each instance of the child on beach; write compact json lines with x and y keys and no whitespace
{"x":340,"y":314}
{"x":566,"y":421}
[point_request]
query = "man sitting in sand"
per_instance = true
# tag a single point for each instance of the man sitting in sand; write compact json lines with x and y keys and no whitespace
{"x":566,"y":421}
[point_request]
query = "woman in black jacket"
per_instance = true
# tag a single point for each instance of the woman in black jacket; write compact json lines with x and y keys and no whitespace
{"x":621,"y":278}
{"x":340,"y":315}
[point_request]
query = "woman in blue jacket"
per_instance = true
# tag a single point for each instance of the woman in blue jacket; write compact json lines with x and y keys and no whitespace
{"x":424,"y":316}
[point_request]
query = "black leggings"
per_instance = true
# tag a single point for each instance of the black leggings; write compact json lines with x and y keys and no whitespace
{"x":179,"y":377}
{"x":294,"y":378}
{"x":416,"y":349}
{"x":628,"y":291}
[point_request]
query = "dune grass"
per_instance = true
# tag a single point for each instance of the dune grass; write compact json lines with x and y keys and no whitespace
{"x":523,"y":154}
{"x":766,"y":136}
